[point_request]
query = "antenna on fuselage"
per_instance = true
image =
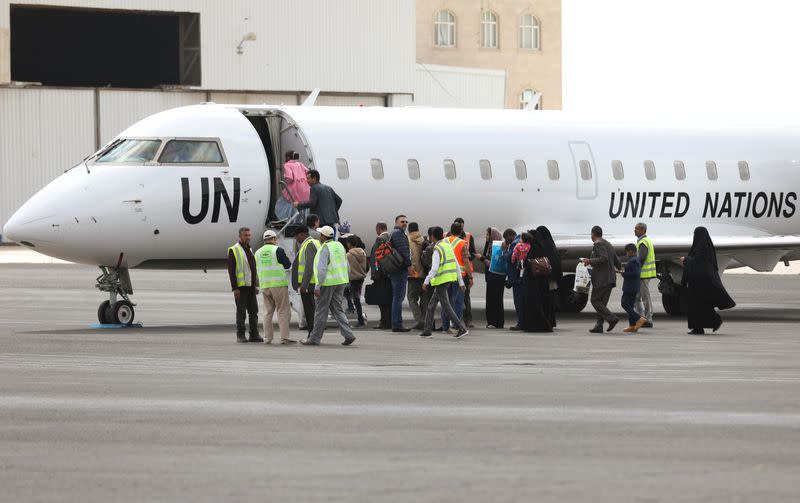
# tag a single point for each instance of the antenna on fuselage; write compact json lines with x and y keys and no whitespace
{"x":312,"y":98}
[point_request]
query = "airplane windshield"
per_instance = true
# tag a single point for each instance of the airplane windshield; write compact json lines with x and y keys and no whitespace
{"x":131,"y":151}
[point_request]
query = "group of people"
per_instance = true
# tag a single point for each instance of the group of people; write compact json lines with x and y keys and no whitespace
{"x":331,"y":266}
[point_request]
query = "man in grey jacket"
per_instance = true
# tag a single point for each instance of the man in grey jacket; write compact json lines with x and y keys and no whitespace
{"x":323,"y":201}
{"x":604,"y":264}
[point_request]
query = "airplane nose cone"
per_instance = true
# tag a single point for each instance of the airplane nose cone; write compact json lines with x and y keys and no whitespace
{"x":11,"y":230}
{"x":29,"y":229}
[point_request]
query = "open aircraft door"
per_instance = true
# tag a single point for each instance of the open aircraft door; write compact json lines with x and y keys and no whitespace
{"x":585,"y":172}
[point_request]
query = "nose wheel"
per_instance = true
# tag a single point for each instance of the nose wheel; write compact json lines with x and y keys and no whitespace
{"x":117,"y":283}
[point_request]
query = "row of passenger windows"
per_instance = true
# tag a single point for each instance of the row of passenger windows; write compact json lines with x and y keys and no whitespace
{"x":553,"y":170}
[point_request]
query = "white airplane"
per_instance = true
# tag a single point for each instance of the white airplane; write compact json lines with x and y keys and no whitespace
{"x":171,"y":191}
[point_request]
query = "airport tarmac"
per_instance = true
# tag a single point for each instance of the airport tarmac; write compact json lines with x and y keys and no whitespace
{"x":177,"y":411}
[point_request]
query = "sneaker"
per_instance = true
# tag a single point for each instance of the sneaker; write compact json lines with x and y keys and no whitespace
{"x":597,"y":329}
{"x":309,"y":342}
{"x":426,"y":335}
{"x":349,"y":341}
{"x":461,"y":333}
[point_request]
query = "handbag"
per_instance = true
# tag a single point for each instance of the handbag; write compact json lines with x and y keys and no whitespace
{"x":540,"y":266}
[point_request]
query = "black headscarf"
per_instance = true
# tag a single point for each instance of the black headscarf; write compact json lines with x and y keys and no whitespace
{"x":703,"y":248}
{"x":548,"y":246}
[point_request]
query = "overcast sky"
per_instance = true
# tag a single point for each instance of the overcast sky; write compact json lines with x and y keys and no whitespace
{"x":692,"y":58}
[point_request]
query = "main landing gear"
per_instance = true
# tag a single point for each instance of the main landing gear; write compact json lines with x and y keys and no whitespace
{"x":117,"y":282}
{"x":570,"y":301}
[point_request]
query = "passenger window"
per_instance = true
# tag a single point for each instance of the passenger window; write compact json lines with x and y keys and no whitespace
{"x":650,"y":170}
{"x":191,"y":152}
{"x":131,"y":151}
{"x":744,"y":171}
{"x":413,"y":169}
{"x":680,"y":170}
{"x":486,"y":169}
{"x":618,"y":170}
{"x":377,"y":168}
{"x":342,"y":169}
{"x":711,"y":170}
{"x":521,"y":170}
{"x":586,"y":170}
{"x":449,"y":169}
{"x":552,"y":170}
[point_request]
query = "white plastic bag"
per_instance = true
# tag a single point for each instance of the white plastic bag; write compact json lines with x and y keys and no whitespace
{"x":582,"y":279}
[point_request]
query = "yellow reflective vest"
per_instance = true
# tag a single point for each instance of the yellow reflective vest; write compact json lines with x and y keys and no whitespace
{"x":301,"y":256}
{"x":271,"y":273}
{"x":448,"y":265}
{"x":336,"y":272}
{"x":241,"y":263}
{"x":649,"y":265}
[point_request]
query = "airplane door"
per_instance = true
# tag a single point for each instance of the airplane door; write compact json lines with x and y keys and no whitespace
{"x":585,"y":169}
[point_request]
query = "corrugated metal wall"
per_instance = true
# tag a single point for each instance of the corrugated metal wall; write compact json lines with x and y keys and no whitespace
{"x":120,"y":109}
{"x":42,"y":133}
{"x":358,"y":46}
{"x":447,"y":86}
{"x":254,"y":98}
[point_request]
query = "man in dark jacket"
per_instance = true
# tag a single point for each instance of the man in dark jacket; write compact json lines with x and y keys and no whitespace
{"x":630,"y":289}
{"x":244,"y":283}
{"x":399,"y":241}
{"x":604,"y":264}
{"x":323,"y":201}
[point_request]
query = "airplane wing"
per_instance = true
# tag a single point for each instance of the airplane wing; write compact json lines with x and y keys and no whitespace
{"x":760,"y":252}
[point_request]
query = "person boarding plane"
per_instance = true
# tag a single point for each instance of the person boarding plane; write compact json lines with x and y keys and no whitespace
{"x":171,"y":190}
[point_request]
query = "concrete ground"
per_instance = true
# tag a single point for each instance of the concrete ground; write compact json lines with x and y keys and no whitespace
{"x":177,"y":411}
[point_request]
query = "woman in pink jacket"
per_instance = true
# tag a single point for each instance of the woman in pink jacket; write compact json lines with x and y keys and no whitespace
{"x":297,"y":188}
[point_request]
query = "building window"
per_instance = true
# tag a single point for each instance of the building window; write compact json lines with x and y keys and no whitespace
{"x":650,"y":170}
{"x":617,"y":170}
{"x":529,"y":96}
{"x":445,"y":29}
{"x":521,"y":170}
{"x":552,"y":170}
{"x":486,"y":169}
{"x":488,"y":30}
{"x":342,"y":170}
{"x":413,"y":169}
{"x":680,"y":170}
{"x":529,"y":32}
{"x":449,"y":169}
{"x":744,"y":171}
{"x":586,"y":170}
{"x":377,"y":168}
{"x":711,"y":170}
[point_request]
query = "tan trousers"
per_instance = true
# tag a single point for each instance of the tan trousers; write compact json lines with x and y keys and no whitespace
{"x":276,"y":299}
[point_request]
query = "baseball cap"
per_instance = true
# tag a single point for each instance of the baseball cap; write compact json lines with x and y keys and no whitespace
{"x":326,"y":230}
{"x":270,"y":235}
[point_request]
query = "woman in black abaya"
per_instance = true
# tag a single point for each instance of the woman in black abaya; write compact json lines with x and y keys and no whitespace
{"x":495,"y":283}
{"x":703,"y":285}
{"x":551,"y":252}
{"x":536,"y":292}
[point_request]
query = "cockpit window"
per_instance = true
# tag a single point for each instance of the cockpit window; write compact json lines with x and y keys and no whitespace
{"x":191,"y":152}
{"x":131,"y":151}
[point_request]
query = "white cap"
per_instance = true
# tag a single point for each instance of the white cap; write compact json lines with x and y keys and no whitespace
{"x":326,"y":231}
{"x":270,"y":235}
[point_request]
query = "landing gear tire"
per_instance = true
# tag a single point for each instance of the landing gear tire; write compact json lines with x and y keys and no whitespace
{"x":570,"y":301}
{"x":123,"y":312}
{"x":104,"y":314}
{"x":675,"y":305}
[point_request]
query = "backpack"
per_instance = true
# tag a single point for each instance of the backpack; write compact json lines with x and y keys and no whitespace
{"x":387,"y":258}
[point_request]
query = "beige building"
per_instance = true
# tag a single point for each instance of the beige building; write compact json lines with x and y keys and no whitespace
{"x":521,"y":37}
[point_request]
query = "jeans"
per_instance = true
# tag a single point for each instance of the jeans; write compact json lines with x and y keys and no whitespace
{"x":628,"y":302}
{"x":247,"y":307}
{"x":457,"y":301}
{"x":399,"y":284}
{"x":355,"y":295}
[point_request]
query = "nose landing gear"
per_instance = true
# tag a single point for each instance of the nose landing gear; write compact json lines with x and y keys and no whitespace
{"x":117,"y":282}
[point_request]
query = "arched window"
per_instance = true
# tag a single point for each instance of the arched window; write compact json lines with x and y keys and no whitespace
{"x":529,"y":32}
{"x":488,"y":30}
{"x":445,"y":29}
{"x":530,"y":96}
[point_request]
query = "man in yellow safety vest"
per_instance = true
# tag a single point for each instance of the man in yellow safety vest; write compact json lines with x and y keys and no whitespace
{"x":242,"y":274}
{"x":271,"y":266}
{"x":331,"y":276}
{"x":647,"y":257}
{"x":303,"y":272}
{"x":444,"y":274}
